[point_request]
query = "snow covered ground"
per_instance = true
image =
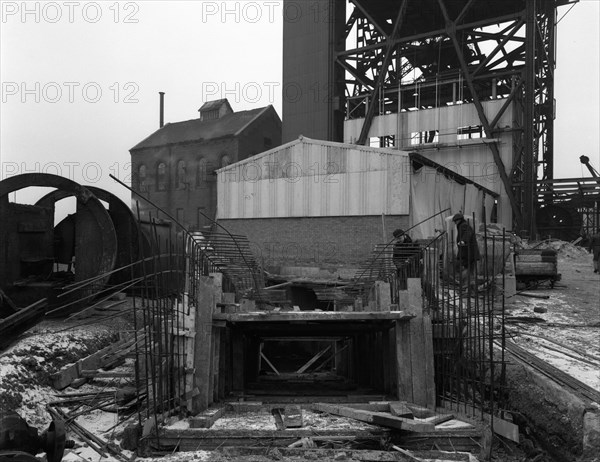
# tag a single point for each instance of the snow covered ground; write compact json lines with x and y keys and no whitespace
{"x":568,"y":336}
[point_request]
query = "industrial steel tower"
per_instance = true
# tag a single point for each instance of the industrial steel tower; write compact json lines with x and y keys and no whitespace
{"x":349,"y":66}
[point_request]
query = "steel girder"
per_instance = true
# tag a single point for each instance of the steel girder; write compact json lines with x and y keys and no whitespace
{"x":463,"y":51}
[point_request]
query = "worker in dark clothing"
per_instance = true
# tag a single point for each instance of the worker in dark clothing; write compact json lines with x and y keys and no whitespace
{"x":594,"y":247}
{"x":401,"y":257}
{"x":468,"y":251}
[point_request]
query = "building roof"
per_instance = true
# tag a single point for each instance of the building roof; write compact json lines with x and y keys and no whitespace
{"x":202,"y":130}
{"x":216,"y":104}
{"x":365,"y":150}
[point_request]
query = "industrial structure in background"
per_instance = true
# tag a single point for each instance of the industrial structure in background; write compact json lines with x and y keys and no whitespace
{"x":466,"y":83}
{"x":255,"y":270}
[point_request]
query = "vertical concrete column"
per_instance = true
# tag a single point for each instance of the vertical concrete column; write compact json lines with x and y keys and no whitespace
{"x":203,"y":350}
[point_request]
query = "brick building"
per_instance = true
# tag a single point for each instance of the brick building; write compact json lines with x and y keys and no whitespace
{"x":175,"y":166}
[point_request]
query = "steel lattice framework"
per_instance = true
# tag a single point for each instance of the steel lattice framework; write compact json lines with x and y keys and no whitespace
{"x":461,"y":51}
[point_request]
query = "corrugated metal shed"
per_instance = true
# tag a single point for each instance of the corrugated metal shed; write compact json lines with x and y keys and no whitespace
{"x":309,"y":178}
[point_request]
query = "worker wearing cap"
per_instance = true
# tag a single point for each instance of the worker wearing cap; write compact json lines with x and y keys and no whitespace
{"x":595,"y":248}
{"x":468,"y":251}
{"x":402,"y":263}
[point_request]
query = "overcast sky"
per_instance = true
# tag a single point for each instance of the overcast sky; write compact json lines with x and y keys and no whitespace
{"x":80,"y":80}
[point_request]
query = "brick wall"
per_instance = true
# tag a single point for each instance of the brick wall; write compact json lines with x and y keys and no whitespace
{"x":324,"y":242}
{"x":262,"y":135}
{"x":199,"y":188}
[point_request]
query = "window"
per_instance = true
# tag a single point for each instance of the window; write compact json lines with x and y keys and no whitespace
{"x":225,"y":161}
{"x":161,"y":177}
{"x":201,"y":173}
{"x":385,"y":141}
{"x":142,"y":178}
{"x":210,"y":115}
{"x":180,"y":216}
{"x":181,"y":180}
{"x":203,"y":220}
{"x":424,"y":137}
{"x":470,"y":132}
{"x":268,"y":143}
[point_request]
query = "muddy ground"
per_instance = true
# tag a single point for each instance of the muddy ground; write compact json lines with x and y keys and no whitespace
{"x":570,"y":317}
{"x":563,"y":330}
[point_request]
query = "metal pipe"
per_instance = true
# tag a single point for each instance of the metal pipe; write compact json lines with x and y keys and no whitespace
{"x":161,"y":122}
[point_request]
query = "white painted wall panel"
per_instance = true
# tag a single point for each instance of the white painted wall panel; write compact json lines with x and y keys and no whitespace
{"x":471,"y":159}
{"x":310,"y":178}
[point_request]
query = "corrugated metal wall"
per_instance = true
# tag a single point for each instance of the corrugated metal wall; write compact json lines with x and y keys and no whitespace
{"x":470,"y":158}
{"x":315,"y":179}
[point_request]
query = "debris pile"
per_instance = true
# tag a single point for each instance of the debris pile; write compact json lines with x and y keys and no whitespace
{"x":563,"y":248}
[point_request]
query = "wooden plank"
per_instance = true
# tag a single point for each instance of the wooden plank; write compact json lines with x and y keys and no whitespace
{"x":71,"y":372}
{"x":392,"y":363}
{"x":211,"y":376}
{"x":383,"y":298}
{"x":420,"y":412}
{"x":207,"y":418}
{"x":501,"y":427}
{"x":376,"y":418}
{"x":262,"y":355}
{"x":417,"y":357}
{"x":224,"y":368}
{"x":6,"y":300}
{"x":245,"y":406}
{"x":407,"y":454}
{"x":188,"y":322}
{"x":292,"y":417}
{"x":372,"y":407}
{"x":430,"y":391}
{"x":528,"y":294}
{"x":400,"y":409}
{"x":313,"y":360}
{"x":506,"y":429}
{"x":276,"y":412}
{"x":105,"y":374}
{"x":338,"y":352}
{"x":217,"y":362}
{"x":536,"y":268}
{"x":421,"y":348}
{"x":385,"y":361}
{"x":286,"y":316}
{"x":376,"y":372}
{"x":22,"y":316}
{"x":220,"y":434}
{"x":535,"y":259}
{"x":439,"y":419}
{"x":308,"y":400}
{"x":237,"y":360}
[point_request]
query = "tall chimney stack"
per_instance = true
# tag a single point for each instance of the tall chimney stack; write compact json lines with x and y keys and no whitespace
{"x":162,"y":109}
